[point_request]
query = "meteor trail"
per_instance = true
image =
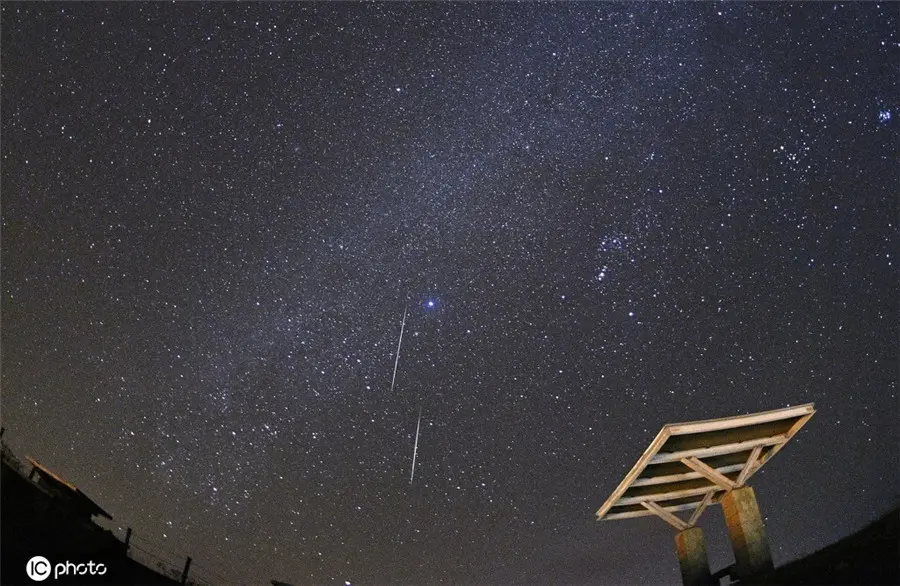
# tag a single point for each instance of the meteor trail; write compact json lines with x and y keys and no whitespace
{"x":399,"y":342}
{"x":415,"y":448}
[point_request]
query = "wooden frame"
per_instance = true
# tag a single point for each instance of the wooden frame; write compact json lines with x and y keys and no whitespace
{"x":688,"y":470}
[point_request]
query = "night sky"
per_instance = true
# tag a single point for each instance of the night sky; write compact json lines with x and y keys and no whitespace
{"x":599,"y":217}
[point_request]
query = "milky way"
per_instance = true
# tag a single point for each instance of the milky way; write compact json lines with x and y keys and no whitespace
{"x":599,"y":217}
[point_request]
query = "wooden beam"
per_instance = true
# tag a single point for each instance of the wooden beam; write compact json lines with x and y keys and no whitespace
{"x":683,"y":476}
{"x":749,"y":466}
{"x":645,"y":458}
{"x":699,"y":510}
{"x":709,"y":473}
{"x":740,"y":420}
{"x":665,"y":515}
{"x":663,"y":496}
{"x":719,"y":450}
{"x":647,"y":513}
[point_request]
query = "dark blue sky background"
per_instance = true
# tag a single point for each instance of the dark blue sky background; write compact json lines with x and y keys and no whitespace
{"x":214,"y":215}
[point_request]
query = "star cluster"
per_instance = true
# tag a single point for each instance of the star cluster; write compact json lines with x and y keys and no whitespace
{"x":599,"y":218}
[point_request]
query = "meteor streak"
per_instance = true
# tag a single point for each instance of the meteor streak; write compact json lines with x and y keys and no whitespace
{"x":399,"y":342}
{"x":412,"y":473}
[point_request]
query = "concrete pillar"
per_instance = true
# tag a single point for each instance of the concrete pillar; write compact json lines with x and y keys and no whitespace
{"x":752,"y":558}
{"x":691,"y":548}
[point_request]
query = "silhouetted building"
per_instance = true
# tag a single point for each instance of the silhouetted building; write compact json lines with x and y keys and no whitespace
{"x":45,"y":515}
{"x":75,"y":503}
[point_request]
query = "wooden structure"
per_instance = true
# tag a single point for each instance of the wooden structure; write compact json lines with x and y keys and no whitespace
{"x":690,"y":466}
{"x":78,"y":502}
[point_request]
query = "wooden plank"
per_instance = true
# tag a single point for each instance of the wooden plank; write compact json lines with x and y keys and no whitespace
{"x":749,"y":466}
{"x":665,"y":515}
{"x":663,"y":496}
{"x":642,"y":462}
{"x":718,"y":450}
{"x":683,"y":476}
{"x":709,"y":473}
{"x":647,"y":513}
{"x":740,"y":420}
{"x":699,"y":510}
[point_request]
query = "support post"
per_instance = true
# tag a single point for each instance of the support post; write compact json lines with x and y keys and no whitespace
{"x":691,"y":548}
{"x":752,"y":558}
{"x":127,"y":539}
{"x":187,"y":566}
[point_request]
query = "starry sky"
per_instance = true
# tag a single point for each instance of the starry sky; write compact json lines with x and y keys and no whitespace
{"x":599,"y":217}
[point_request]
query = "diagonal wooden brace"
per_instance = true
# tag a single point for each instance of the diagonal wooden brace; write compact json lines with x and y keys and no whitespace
{"x":665,"y":515}
{"x":703,"y":504}
{"x":710,"y":473}
{"x":750,"y":466}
